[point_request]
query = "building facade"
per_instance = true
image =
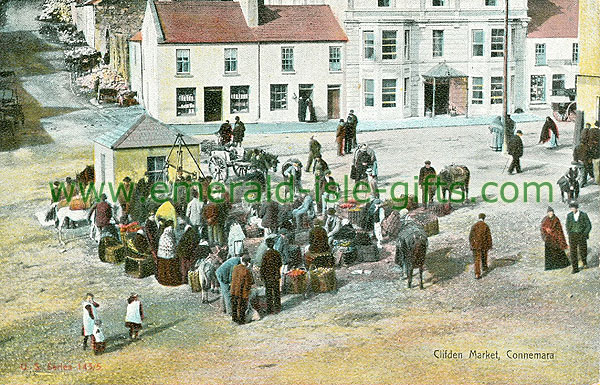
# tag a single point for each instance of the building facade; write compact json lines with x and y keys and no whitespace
{"x":588,"y":81}
{"x":394,"y":45}
{"x":265,"y":69}
{"x":552,"y":52}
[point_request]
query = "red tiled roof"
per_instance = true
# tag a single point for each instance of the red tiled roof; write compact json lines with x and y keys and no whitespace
{"x":137,"y":36}
{"x":553,"y":18}
{"x":190,"y":21}
{"x":203,"y":22}
{"x":299,"y":23}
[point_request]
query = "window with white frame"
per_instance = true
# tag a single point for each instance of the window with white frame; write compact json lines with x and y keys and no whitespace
{"x":407,"y":44}
{"x":231,"y":64}
{"x":406,"y":92}
{"x":239,"y":100}
{"x":155,"y":167}
{"x":478,"y":42}
{"x":388,"y":45}
{"x":287,"y":59}
{"x":575,"y":57}
{"x":335,"y":59}
{"x":369,"y":92}
{"x":438,"y":3}
{"x":477,"y":87}
{"x":388,"y":93}
{"x":383,"y":3}
{"x":438,"y":43}
{"x":183,"y":61}
{"x":558,"y":84}
{"x":491,"y":3}
{"x":497,"y":89}
{"x":538,"y":88}
{"x":369,"y":45}
{"x":186,"y":101}
{"x":497,"y":47}
{"x":540,"y":54}
{"x":279,"y":97}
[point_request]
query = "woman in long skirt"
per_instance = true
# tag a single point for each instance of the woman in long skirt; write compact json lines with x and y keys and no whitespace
{"x":168,"y":270}
{"x":549,"y":133}
{"x":497,"y":131}
{"x":555,"y":242}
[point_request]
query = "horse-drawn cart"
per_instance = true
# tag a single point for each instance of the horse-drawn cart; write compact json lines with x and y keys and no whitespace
{"x":11,"y":111}
{"x":241,"y":161}
{"x":564,"y":111}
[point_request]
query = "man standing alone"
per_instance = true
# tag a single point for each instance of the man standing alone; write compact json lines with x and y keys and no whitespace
{"x":481,"y":242}
{"x":427,"y":182}
{"x":270,"y":274}
{"x":578,"y":228}
{"x":314,"y":151}
{"x":239,"y":129}
{"x":352,"y":122}
{"x":515,"y":149}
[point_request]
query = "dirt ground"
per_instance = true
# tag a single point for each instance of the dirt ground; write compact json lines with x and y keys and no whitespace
{"x":371,"y":330}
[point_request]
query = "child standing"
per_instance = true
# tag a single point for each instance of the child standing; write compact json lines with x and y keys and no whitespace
{"x":134,"y":317}
{"x":90,"y":315}
{"x":98,"y":342}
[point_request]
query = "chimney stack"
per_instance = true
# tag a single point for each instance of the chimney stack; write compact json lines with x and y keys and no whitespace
{"x":250,"y":10}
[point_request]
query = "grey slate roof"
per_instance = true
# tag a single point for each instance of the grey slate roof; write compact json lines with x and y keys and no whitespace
{"x":442,"y":70}
{"x":145,"y":132}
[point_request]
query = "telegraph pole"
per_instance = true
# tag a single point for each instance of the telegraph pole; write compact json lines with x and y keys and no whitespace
{"x":507,"y":135}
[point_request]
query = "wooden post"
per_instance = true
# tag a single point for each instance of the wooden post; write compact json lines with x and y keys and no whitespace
{"x":433,"y":104}
{"x":507,"y":135}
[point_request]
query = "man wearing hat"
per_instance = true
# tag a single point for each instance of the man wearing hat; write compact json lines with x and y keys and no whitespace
{"x":340,"y":133}
{"x":578,"y":230}
{"x":427,"y":182}
{"x":332,"y":225}
{"x":515,"y":149}
{"x":241,"y":284}
{"x":351,"y":123}
{"x":481,"y":242}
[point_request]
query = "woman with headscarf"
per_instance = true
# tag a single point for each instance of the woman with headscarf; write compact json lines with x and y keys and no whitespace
{"x":549,"y":133}
{"x":497,"y":131}
{"x":555,"y":242}
{"x":186,"y":251}
{"x":167,"y":269}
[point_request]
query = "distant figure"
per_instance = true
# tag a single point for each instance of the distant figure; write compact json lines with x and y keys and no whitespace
{"x":167,"y":270}
{"x":427,"y":181}
{"x":225,"y":133}
{"x":591,"y":138}
{"x":351,"y":124}
{"x":314,"y":151}
{"x":549,"y":133}
{"x":194,"y":211}
{"x":90,"y":315}
{"x":224,"y":275}
{"x":311,"y":110}
{"x":98,"y":340}
{"x":239,"y":130}
{"x":241,"y":283}
{"x":578,"y":229}
{"x":581,"y":158}
{"x":378,"y":217}
{"x":301,"y":109}
{"x":481,"y":242}
{"x":134,"y":316}
{"x":497,"y":131}
{"x":515,"y":149}
{"x":554,"y":241}
{"x":270,"y":274}
{"x":339,"y":137}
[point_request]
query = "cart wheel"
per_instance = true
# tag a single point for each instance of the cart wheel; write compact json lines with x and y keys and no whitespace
{"x":218,"y":169}
{"x":240,"y":170}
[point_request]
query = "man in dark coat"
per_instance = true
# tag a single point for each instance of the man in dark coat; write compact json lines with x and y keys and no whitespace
{"x":270,"y":274}
{"x":581,"y":156}
{"x":427,"y":176}
{"x":239,"y":130}
{"x":269,"y":213}
{"x":578,"y":229}
{"x":352,"y":123}
{"x":225,"y":133}
{"x":103,"y":213}
{"x":481,"y":242}
{"x":591,"y":138}
{"x":339,"y":137}
{"x":185,"y":251}
{"x":515,"y":149}
{"x":241,"y":284}
{"x":314,"y":151}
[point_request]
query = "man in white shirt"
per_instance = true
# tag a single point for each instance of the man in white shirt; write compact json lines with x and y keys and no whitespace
{"x":194,"y":211}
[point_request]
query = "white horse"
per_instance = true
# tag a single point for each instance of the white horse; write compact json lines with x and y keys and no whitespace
{"x":74,"y":216}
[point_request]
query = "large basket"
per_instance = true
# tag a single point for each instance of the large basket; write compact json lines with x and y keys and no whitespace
{"x":139,"y":265}
{"x":298,"y":283}
{"x":111,"y":250}
{"x":323,"y":280}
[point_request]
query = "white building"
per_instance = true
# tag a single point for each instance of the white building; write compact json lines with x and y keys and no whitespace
{"x":552,"y":52}
{"x":397,"y":48}
{"x":202,"y":61}
{"x":83,"y":13}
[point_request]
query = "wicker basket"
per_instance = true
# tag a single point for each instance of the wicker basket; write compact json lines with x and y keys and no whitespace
{"x":298,"y":283}
{"x":139,"y":265}
{"x":323,"y":280}
{"x":111,"y":250}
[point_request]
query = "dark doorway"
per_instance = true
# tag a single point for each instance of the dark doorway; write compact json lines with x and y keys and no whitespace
{"x":442,"y":97}
{"x":305,"y":92}
{"x":213,"y":104}
{"x":333,"y":102}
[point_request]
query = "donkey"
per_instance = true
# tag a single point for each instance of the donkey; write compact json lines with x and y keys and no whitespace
{"x":454,"y":176}
{"x":569,"y":184}
{"x":411,"y":248}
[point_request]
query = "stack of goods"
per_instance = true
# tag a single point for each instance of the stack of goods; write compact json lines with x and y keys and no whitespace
{"x":298,"y":281}
{"x":441,"y":209}
{"x":323,"y":279}
{"x":408,"y":202}
{"x":427,"y":219}
{"x":344,"y":251}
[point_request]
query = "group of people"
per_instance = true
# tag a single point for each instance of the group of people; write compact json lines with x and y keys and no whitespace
{"x":345,"y":135}
{"x":578,"y":232}
{"x":586,"y":151}
{"x":92,"y":324}
{"x":234,"y":135}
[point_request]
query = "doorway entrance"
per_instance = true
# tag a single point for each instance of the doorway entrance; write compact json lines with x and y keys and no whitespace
{"x":333,"y":101}
{"x":213,"y":104}
{"x":437,"y":96}
{"x":305,"y":92}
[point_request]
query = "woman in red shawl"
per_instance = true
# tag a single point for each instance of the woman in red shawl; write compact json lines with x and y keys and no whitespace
{"x":549,"y":133}
{"x":554,"y":238}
